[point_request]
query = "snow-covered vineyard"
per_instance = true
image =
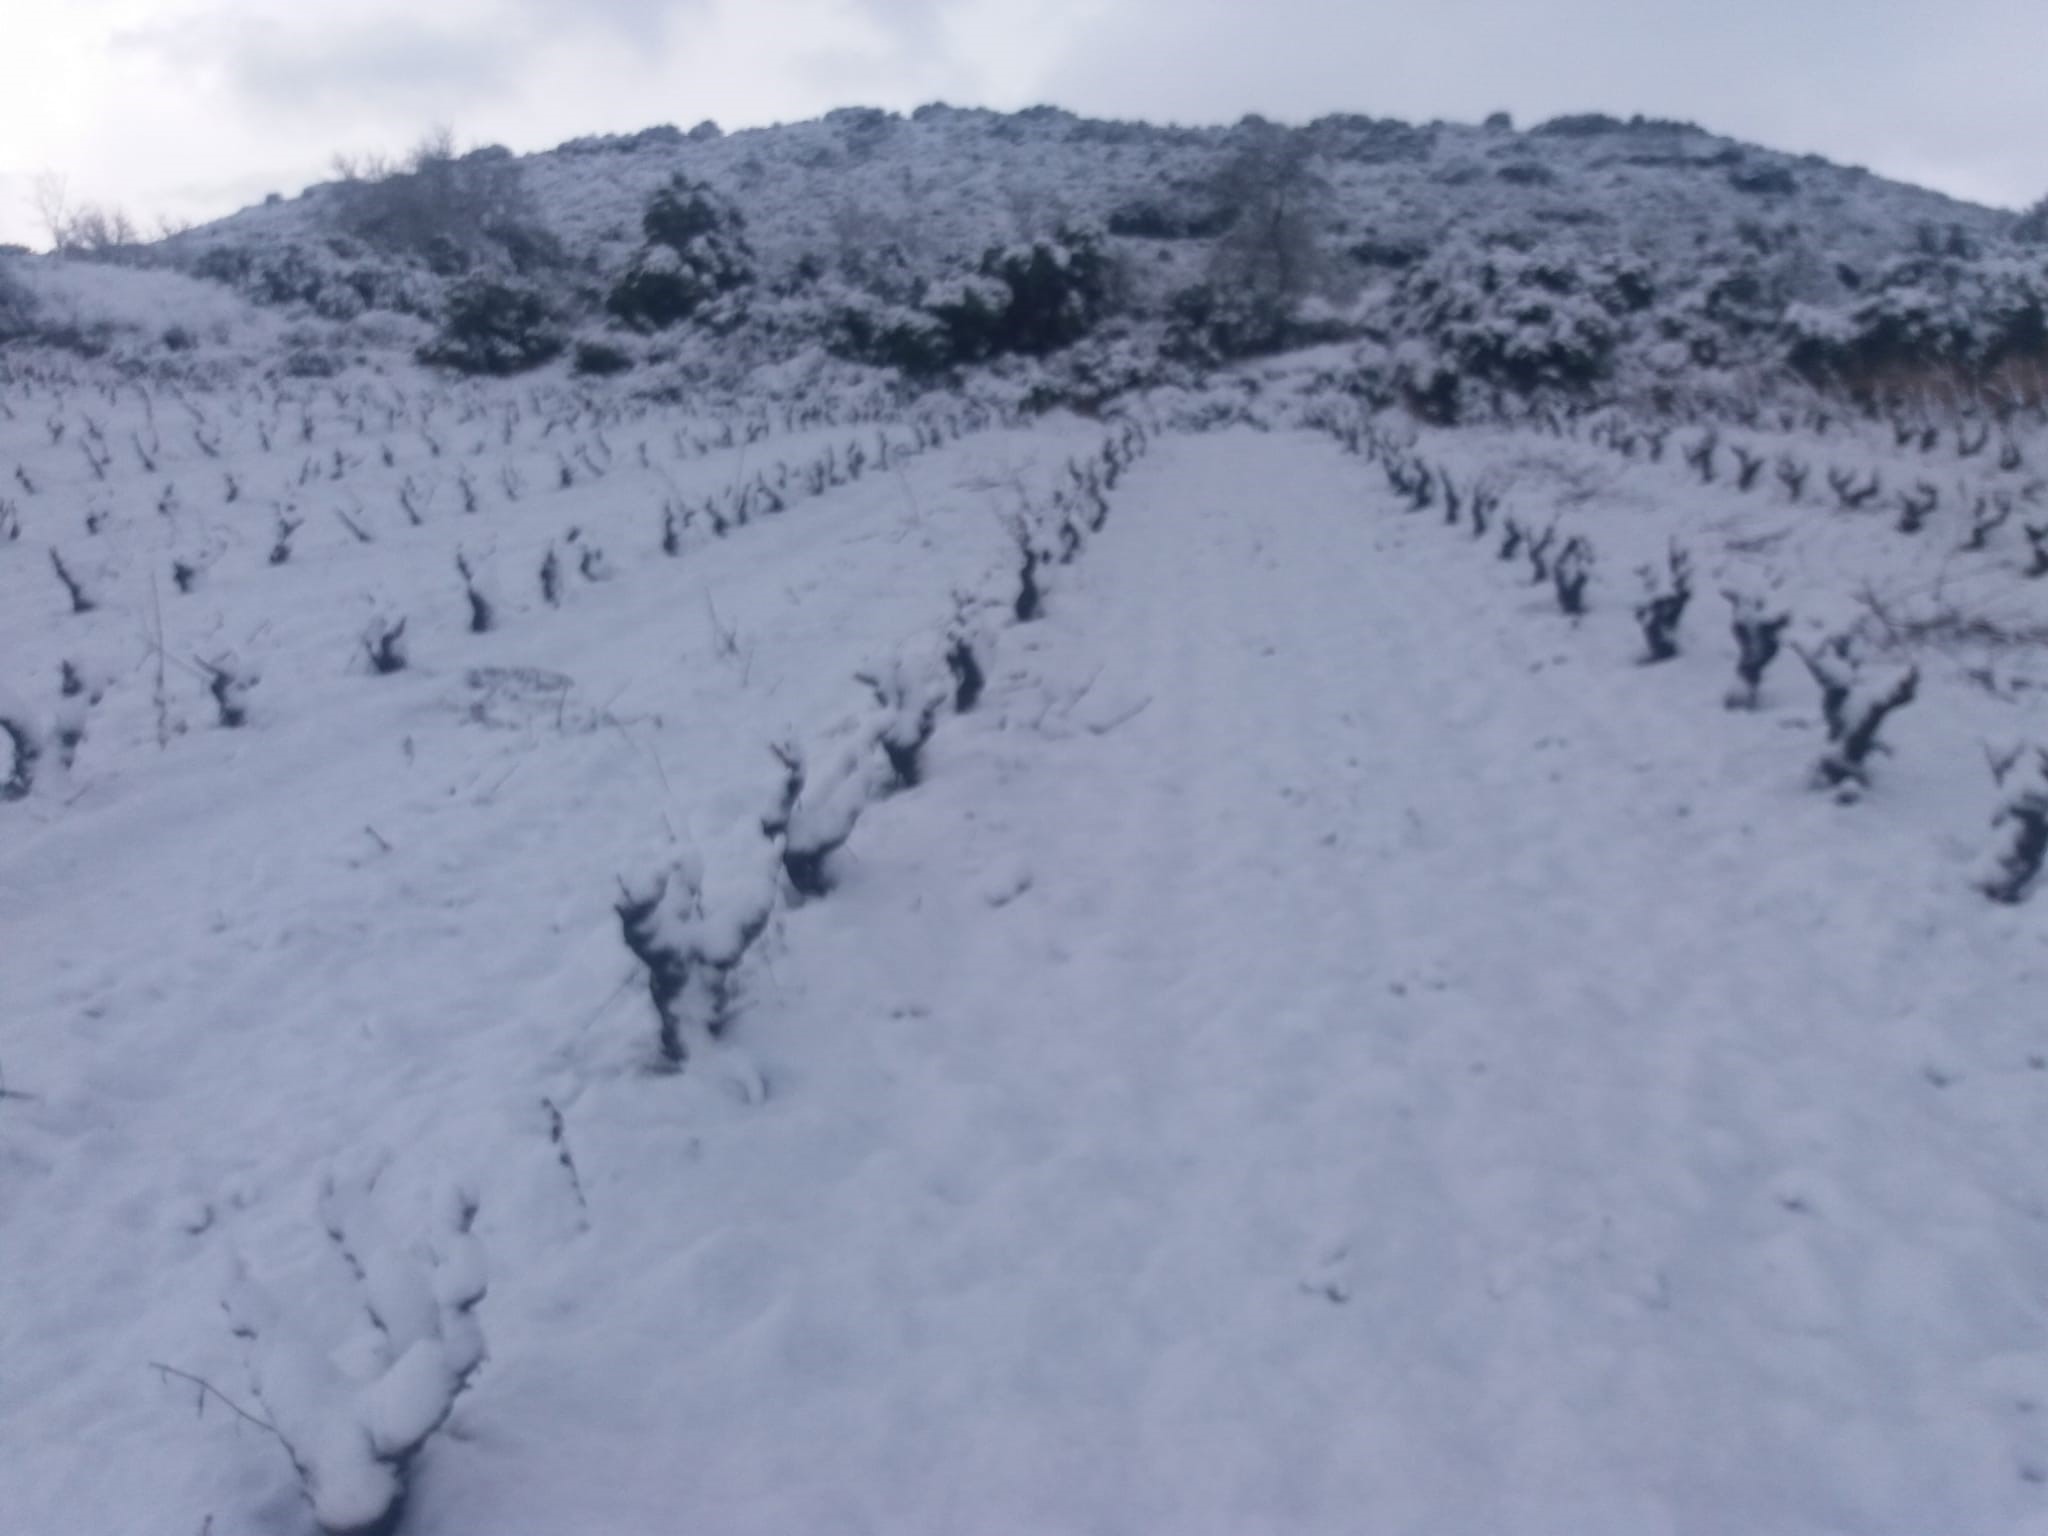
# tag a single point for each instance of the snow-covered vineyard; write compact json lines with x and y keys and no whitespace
{"x":1207,"y":953}
{"x":630,"y":966}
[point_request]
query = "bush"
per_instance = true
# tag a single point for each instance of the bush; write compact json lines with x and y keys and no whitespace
{"x":2013,"y":865}
{"x":23,"y":750}
{"x":1579,"y":125}
{"x":1153,"y":220}
{"x":451,"y":211}
{"x":17,"y":305}
{"x":1855,"y":701}
{"x":695,"y":251}
{"x":1928,"y":315}
{"x":691,"y":950}
{"x":354,"y":1441}
{"x":2032,"y":226}
{"x":1058,"y":289}
{"x":910,"y":340}
{"x":1210,"y":322}
{"x":494,"y":328}
{"x":1764,"y":181}
{"x":598,"y":359}
{"x":1520,"y":320}
{"x":1029,"y":300}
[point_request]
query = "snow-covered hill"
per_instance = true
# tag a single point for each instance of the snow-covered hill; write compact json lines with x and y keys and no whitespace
{"x":1588,"y":256}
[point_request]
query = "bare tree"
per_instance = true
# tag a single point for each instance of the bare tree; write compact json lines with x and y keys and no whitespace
{"x":1279,"y":195}
{"x":87,"y":229}
{"x":445,"y":207}
{"x":1270,"y":258}
{"x":52,"y":193}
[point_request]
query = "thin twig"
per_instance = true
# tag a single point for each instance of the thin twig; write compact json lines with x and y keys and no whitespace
{"x":163,"y":701}
{"x":1132,"y":713}
{"x":208,"y":1389}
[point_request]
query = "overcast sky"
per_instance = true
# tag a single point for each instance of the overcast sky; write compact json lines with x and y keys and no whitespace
{"x":191,"y":108}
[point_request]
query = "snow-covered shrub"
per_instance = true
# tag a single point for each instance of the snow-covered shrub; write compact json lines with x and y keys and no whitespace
{"x":1928,"y":319}
{"x":1485,"y":501}
{"x":1850,"y":496}
{"x":1748,"y":467}
{"x":82,"y":600}
{"x":1057,"y":289}
{"x":1664,"y":605}
{"x":2037,"y":542}
{"x":1988,"y":515}
{"x":451,"y":212}
{"x":1763,"y":180}
{"x":1760,"y":627}
{"x":1700,"y":455}
{"x":1210,"y":322}
{"x":492,"y":327}
{"x":384,"y":645}
{"x":67,"y":730}
{"x":865,"y":328}
{"x":483,"y":614}
{"x":965,"y":667}
{"x":1855,"y":701}
{"x":910,"y":713}
{"x":17,"y":304}
{"x":1496,"y":316}
{"x":1029,"y":299}
{"x":690,"y":950}
{"x":1030,"y":601}
{"x":788,"y":791}
{"x":23,"y":749}
{"x":1916,"y":506}
{"x":1570,"y":574}
{"x":2031,"y":228}
{"x":353,"y":1439}
{"x":2012,"y":866}
{"x":1152,"y":218}
{"x":821,"y":822}
{"x":601,"y":360}
{"x":229,"y":683}
{"x":695,"y":251}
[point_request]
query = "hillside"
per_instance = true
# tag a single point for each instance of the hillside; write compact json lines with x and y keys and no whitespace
{"x":763,"y":944}
{"x":1587,"y":258}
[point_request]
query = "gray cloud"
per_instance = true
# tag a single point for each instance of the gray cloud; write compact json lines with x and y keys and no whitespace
{"x":645,"y":22}
{"x":224,"y":93}
{"x":1902,"y":84}
{"x":346,"y":64}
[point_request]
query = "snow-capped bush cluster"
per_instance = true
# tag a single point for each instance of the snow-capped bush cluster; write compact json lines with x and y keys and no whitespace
{"x":352,"y":1438}
{"x":1486,"y":320}
{"x":1957,"y":320}
{"x":695,"y":253}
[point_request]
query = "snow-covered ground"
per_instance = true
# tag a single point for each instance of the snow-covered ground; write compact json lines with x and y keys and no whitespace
{"x":1330,"y":1044}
